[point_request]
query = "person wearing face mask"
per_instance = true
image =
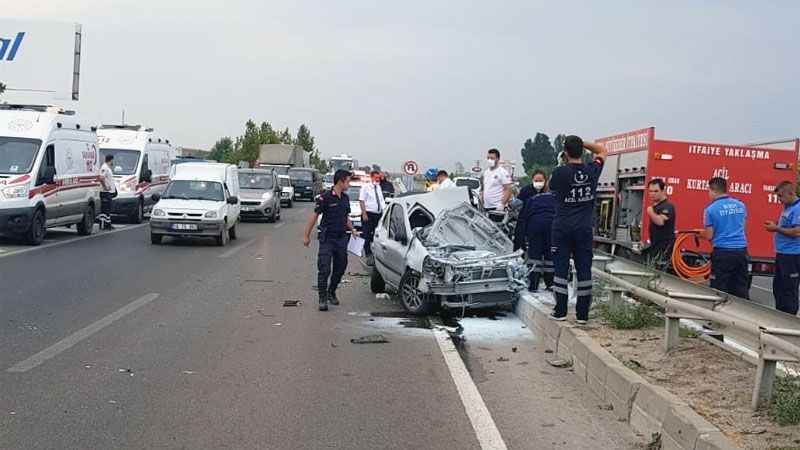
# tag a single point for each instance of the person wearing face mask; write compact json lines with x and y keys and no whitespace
{"x":533,"y":232}
{"x":372,"y":204}
{"x":529,"y":190}
{"x":496,"y":188}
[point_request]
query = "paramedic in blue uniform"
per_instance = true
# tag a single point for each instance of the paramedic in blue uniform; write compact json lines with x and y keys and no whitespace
{"x":574,"y":185}
{"x":334,"y":206}
{"x":528,"y":191}
{"x":724,"y":220}
{"x":533,"y":231}
{"x":786,"y":282}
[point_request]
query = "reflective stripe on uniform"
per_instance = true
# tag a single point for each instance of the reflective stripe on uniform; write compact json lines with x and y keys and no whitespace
{"x":560,"y":290}
{"x":559,"y":280}
{"x":585,"y":283}
{"x":583,"y":292}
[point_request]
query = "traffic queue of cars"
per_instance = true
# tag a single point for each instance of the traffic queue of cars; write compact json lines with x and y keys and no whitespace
{"x":49,"y":162}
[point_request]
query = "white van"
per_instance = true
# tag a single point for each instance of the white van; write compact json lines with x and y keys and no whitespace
{"x":141,"y":166}
{"x":201,"y":200}
{"x":48,"y":172}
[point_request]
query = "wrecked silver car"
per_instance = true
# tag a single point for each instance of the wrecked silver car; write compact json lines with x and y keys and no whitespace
{"x":435,"y":249}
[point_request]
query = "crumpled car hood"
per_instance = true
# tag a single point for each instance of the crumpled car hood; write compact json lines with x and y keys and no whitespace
{"x":463,"y":233}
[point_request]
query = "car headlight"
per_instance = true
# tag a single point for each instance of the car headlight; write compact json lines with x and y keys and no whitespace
{"x":211,"y":215}
{"x":16,"y":191}
{"x":158,"y":212}
{"x":130,"y":186}
{"x":266,"y":196}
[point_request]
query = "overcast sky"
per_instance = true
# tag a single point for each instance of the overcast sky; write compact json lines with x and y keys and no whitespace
{"x":438,"y":81}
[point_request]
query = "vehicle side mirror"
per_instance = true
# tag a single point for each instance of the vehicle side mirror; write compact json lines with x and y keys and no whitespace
{"x":49,"y":176}
{"x":147,"y":176}
{"x":156,"y":197}
{"x":233,"y":200}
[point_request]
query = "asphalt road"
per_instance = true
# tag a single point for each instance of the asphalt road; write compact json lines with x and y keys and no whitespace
{"x":110,"y":342}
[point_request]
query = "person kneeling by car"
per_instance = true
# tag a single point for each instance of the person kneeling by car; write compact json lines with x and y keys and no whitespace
{"x":334,"y":206}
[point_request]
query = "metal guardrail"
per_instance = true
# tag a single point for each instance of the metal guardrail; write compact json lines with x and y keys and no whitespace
{"x":773,"y":335}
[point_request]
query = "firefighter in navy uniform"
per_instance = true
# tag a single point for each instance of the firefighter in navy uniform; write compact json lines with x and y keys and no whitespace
{"x":574,"y":186}
{"x":534,"y":229}
{"x":334,"y":206}
{"x":786,"y":282}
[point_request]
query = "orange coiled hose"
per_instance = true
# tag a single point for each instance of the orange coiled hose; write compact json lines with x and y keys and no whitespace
{"x":681,"y":267}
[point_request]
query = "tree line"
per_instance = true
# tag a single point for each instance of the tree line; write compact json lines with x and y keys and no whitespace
{"x":246,"y":146}
{"x":540,"y":154}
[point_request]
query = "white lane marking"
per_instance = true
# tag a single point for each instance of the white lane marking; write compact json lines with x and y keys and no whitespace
{"x":234,"y":250}
{"x":278,"y":225}
{"x":761,"y":288}
{"x":69,"y":241}
{"x":83,"y":333}
{"x":486,"y":430}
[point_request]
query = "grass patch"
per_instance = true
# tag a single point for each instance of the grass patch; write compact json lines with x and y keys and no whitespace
{"x":688,"y":333}
{"x":630,"y":316}
{"x":785,"y":406}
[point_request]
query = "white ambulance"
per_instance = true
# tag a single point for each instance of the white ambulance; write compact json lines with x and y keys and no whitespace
{"x":48,"y":172}
{"x":141,"y":166}
{"x":201,"y":200}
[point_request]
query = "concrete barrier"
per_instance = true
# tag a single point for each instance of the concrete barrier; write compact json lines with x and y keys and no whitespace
{"x":647,"y":408}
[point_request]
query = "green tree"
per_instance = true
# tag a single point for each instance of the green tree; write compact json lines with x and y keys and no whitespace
{"x":558,"y":144}
{"x":304,"y":139}
{"x":538,"y":154}
{"x":247,"y":146}
{"x":267,"y":134}
{"x":222,"y":149}
{"x":285,"y":137}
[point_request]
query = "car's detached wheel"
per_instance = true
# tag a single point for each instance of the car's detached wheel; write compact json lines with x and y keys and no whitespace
{"x":413,"y":300}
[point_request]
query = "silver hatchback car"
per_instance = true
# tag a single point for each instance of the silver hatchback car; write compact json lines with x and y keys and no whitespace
{"x":259,"y":194}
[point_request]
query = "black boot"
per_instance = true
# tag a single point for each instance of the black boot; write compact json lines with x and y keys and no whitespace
{"x":323,"y":301}
{"x":332,"y":298}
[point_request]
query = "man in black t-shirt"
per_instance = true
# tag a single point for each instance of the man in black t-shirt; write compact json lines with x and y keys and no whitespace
{"x":574,"y":186}
{"x":661,"y":215}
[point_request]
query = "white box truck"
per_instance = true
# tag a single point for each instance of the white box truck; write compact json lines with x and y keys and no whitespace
{"x":141,"y":166}
{"x":48,"y":172}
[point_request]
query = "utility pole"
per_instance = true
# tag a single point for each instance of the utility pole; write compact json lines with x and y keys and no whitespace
{"x":123,"y":116}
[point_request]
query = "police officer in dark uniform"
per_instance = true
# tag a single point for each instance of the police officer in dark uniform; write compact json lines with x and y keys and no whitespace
{"x":534,"y":228}
{"x":786,"y":282}
{"x":334,"y":206}
{"x":574,"y":186}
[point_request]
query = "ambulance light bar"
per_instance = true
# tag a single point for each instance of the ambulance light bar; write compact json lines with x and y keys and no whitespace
{"x":783,"y":166}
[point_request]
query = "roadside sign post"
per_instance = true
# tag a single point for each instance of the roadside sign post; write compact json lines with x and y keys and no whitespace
{"x":410,"y":168}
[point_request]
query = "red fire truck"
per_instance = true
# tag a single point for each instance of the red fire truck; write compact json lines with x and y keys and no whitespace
{"x":637,"y":157}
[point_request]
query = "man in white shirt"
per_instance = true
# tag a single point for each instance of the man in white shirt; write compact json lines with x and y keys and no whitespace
{"x":372,"y":205}
{"x":444,"y":180}
{"x":496,"y":189}
{"x":107,"y":192}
